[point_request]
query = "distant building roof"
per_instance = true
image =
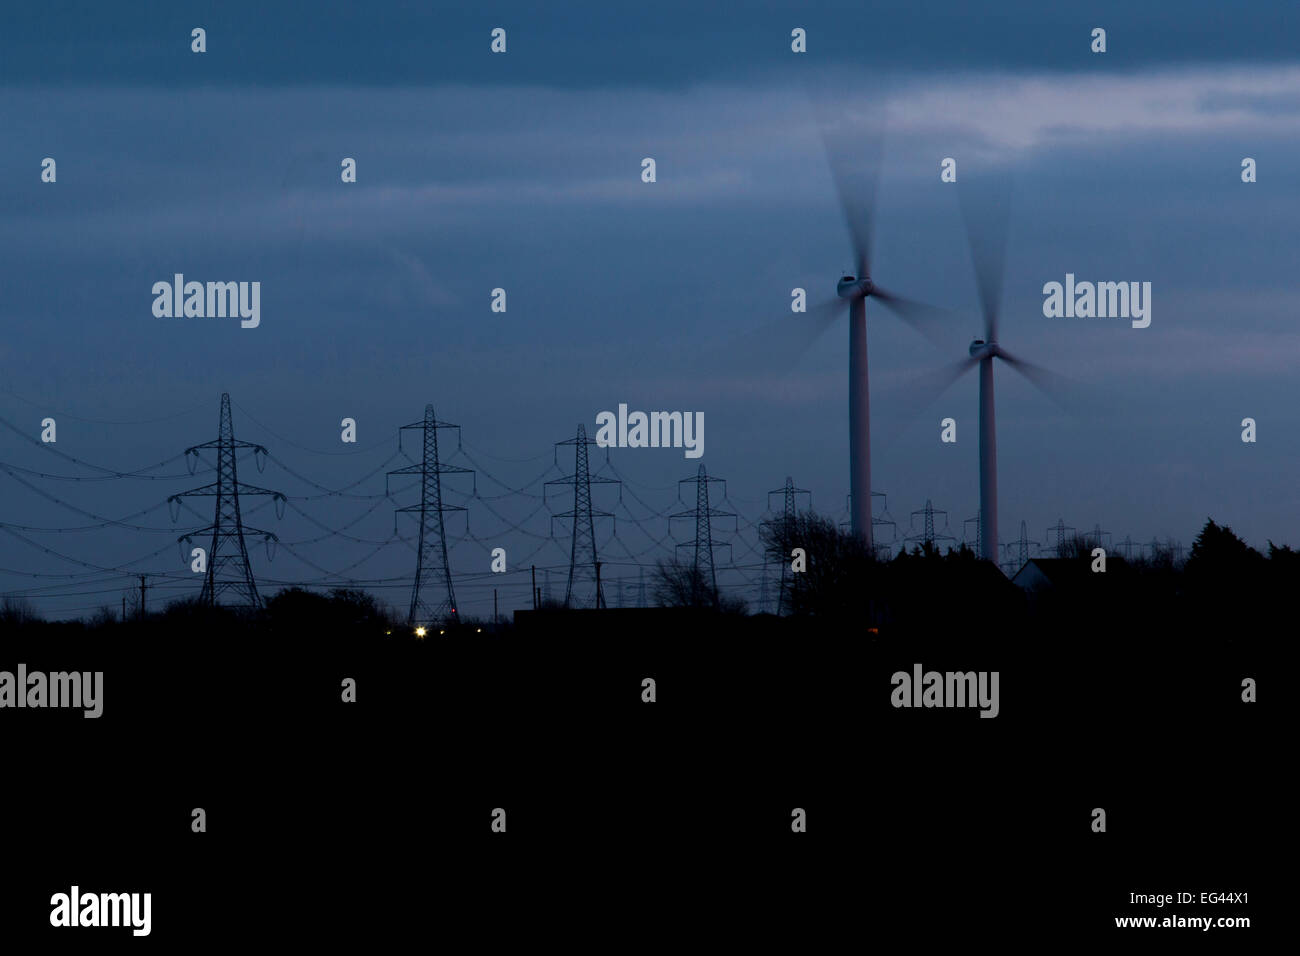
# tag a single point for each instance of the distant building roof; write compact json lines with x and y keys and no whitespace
{"x":1039,"y":574}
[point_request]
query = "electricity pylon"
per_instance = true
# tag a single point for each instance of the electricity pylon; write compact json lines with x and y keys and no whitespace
{"x":433,"y":600}
{"x":1060,"y":528}
{"x":702,"y":566}
{"x":228,"y":571}
{"x":788,"y":525}
{"x":1096,"y":538}
{"x":1022,"y":548}
{"x":584,"y":588}
{"x":928,"y":537}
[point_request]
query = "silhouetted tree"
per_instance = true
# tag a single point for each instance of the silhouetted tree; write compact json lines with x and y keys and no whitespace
{"x":343,"y":612}
{"x":104,"y":616}
{"x":1217,"y":551}
{"x":1284,"y":557}
{"x":684,"y":585}
{"x":1224,"y":578}
{"x":1078,"y":546}
{"x":17,"y":611}
{"x":838,"y":563}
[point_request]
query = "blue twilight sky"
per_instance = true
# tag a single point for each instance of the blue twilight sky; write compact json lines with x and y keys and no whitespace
{"x":522,"y":171}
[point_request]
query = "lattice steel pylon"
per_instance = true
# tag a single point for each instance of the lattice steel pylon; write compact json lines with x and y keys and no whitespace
{"x":1022,"y":547}
{"x":702,"y":565}
{"x":1060,"y":528}
{"x":228,"y":571}
{"x":585,"y":588}
{"x":979,"y":539}
{"x":433,"y":599}
{"x":883,"y":549}
{"x":1008,"y":563}
{"x":928,"y":537}
{"x":1096,"y":538}
{"x":1127,"y":546}
{"x":789,"y":516}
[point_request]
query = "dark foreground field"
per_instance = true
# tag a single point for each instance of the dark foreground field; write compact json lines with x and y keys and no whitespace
{"x":328,"y":820}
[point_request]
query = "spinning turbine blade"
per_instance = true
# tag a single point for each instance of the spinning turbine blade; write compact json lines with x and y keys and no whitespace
{"x":798,"y":333}
{"x":857,"y":201}
{"x":1061,"y":390}
{"x":853,"y":154}
{"x":919,"y":315}
{"x":986,"y":213}
{"x":775,"y":348}
{"x":924,"y":390}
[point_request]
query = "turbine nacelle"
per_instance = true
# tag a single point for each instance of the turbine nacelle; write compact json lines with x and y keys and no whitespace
{"x":850,"y":287}
{"x":980,"y":349}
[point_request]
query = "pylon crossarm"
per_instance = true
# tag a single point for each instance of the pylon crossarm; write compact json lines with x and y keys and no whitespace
{"x":200,"y":491}
{"x":227,"y":443}
{"x":421,"y":507}
{"x":244,"y":489}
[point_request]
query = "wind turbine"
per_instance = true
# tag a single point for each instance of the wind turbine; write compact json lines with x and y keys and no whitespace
{"x":988,"y":250}
{"x":858,"y":199}
{"x":780,"y":344}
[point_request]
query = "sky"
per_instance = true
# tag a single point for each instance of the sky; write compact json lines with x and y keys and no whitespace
{"x":522,"y":171}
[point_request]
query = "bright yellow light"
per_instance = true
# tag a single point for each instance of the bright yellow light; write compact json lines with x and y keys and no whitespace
{"x":420,"y":632}
{"x":442,"y":632}
{"x":479,"y":631}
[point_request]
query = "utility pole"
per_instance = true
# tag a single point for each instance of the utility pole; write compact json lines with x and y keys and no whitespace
{"x":494,"y":607}
{"x":534,"y":587}
{"x":142,"y":597}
